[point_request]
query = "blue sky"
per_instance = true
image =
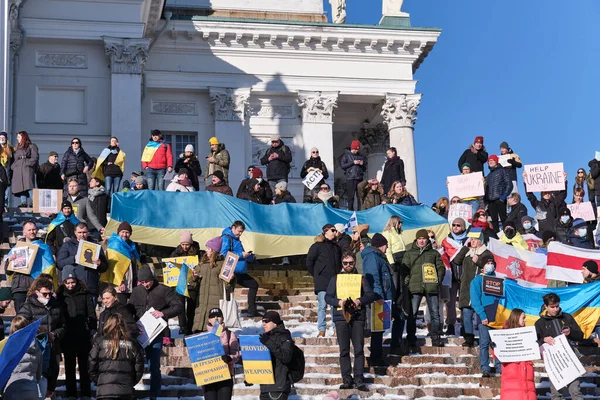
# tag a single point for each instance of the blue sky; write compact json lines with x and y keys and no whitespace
{"x":524,"y":72}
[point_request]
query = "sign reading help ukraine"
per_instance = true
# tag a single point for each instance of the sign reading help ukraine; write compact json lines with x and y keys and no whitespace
{"x":544,"y":177}
{"x":256,"y":358}
{"x":381,"y":316}
{"x":205,"y":351}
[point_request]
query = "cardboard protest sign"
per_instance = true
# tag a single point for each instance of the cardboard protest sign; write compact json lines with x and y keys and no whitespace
{"x":584,"y":210}
{"x":47,"y":200}
{"x":205,"y":351}
{"x":518,"y":344}
{"x":493,"y":285}
{"x":561,"y":363}
{"x":465,"y":186}
{"x":460,"y":210}
{"x":503,"y":160}
{"x":348,"y":285}
{"x":87,"y":252}
{"x":312,"y":179}
{"x":256,"y":359}
{"x":544,"y":177}
{"x":381,"y":316}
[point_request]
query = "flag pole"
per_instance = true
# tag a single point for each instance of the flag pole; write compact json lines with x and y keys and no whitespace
{"x":6,"y":61}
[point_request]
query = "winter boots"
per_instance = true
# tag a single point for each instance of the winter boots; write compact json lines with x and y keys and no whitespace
{"x":469,"y":340}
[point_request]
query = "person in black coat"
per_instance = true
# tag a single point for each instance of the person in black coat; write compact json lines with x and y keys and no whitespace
{"x":190,"y":162}
{"x":354,"y":166}
{"x":517,"y":211}
{"x":323,"y":261}
{"x":314,"y":163}
{"x":265,"y":194}
{"x":95,"y":207}
{"x":595,"y":175}
{"x":498,"y":187}
{"x":279,"y":342}
{"x":116,"y":361}
{"x":475,"y":155}
{"x":252,"y":192}
{"x":48,"y":174}
{"x":166,"y":304}
{"x":112,"y":306}
{"x":3,"y":186}
{"x":282,"y":195}
{"x":546,"y":209}
{"x":278,"y":159}
{"x":80,"y":326}
{"x":41,"y":304}
{"x":62,"y":228}
{"x":563,"y":226}
{"x":67,"y":257}
{"x":342,"y":239}
{"x":393,"y":170}
{"x":352,"y":330}
{"x":528,"y":227}
{"x":6,"y":298}
{"x":76,"y":163}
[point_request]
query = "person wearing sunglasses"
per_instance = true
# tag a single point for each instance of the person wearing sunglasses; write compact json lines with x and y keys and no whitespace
{"x":371,"y":194}
{"x":326,"y":196}
{"x":584,"y":182}
{"x":480,"y":220}
{"x":314,"y":163}
{"x":75,"y":164}
{"x":279,"y":342}
{"x":349,"y":317}
{"x":323,"y":262}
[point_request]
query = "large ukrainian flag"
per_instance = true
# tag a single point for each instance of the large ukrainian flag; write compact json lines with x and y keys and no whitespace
{"x":43,"y":263}
{"x":284,"y":229}
{"x":119,"y":255}
{"x":581,"y":301}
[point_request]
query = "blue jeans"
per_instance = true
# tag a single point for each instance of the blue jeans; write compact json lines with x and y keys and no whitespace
{"x":322,"y":312}
{"x":433,"y":304}
{"x":155,"y":178}
{"x":153,"y":352}
{"x":7,"y":192}
{"x":467,"y":319}
{"x":26,"y":195}
{"x":112,"y":184}
{"x":484,"y":350}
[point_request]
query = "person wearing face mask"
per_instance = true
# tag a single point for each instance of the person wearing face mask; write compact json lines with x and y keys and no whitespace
{"x":563,"y":226}
{"x":512,"y":237}
{"x":41,"y":304}
{"x":480,"y":302}
{"x":578,"y":235}
{"x":578,"y":195}
{"x":528,"y":227}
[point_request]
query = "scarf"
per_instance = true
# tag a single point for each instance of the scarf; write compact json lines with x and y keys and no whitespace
{"x":476,"y":252}
{"x":459,"y":238}
{"x":94,"y":192}
{"x":76,"y":151}
{"x":391,"y":160}
{"x":185,"y":182}
{"x":483,"y":225}
{"x":324,"y":196}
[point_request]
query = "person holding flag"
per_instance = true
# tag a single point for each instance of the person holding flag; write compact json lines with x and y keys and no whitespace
{"x":157,"y":157}
{"x":210,"y":286}
{"x":123,"y":260}
{"x":62,"y":227}
{"x":111,"y":166}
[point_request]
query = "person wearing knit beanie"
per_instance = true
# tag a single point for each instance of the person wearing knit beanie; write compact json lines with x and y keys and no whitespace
{"x":422,"y":233}
{"x":589,"y":270}
{"x":215,"y":244}
{"x":354,"y":166}
{"x":189,"y":148}
{"x":475,"y":155}
{"x":145,"y":274}
{"x":355,"y":145}
{"x":186,"y":237}
{"x":378,"y":240}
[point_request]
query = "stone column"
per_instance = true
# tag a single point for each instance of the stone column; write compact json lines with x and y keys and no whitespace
{"x":231,"y":113}
{"x":399,"y":113}
{"x":127,"y":58}
{"x":317,"y":126}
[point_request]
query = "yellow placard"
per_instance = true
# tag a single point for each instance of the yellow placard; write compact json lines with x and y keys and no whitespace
{"x":210,"y":371}
{"x":429,"y":273}
{"x":348,"y":285}
{"x":191,"y":261}
{"x":171,"y":275}
{"x":259,"y":372}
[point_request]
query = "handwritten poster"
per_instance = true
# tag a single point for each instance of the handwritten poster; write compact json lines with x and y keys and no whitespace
{"x":256,"y":359}
{"x":544,"y":177}
{"x":465,"y":186}
{"x":205,"y":351}
{"x":464,"y":211}
{"x":348,"y":285}
{"x":584,"y":210}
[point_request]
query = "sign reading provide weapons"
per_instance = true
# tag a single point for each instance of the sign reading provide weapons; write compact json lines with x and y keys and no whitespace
{"x":256,"y":359}
{"x":544,"y":177}
{"x":205,"y":351}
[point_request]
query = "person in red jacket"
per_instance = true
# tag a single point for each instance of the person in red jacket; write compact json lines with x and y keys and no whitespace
{"x":156,"y":158}
{"x":517,"y":382}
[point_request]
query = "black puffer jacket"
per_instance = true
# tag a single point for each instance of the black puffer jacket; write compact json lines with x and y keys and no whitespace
{"x":80,"y":316}
{"x":193,"y":166}
{"x":72,"y":166}
{"x":367,"y":296}
{"x":393,"y":171}
{"x":352,"y":170}
{"x":127,"y":311}
{"x":161,"y":297}
{"x":91,"y":277}
{"x":517,"y":212}
{"x":498,"y":185}
{"x":316,"y":163}
{"x":476,"y":160}
{"x":278,"y":168}
{"x":546,"y":211}
{"x":323,"y":261}
{"x":53,"y":318}
{"x":116,"y":378}
{"x":279,"y":343}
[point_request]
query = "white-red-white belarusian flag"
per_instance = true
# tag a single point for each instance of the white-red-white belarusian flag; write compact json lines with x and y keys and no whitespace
{"x":450,"y":247}
{"x":532,"y":241}
{"x":565,"y":262}
{"x":526,"y":267}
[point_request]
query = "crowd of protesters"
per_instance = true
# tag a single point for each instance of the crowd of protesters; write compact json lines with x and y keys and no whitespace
{"x":104,"y":346}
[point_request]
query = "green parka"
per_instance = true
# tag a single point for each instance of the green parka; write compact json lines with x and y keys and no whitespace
{"x":417,"y":262}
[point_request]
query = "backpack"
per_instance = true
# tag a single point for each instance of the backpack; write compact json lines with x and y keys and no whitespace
{"x":296,"y":364}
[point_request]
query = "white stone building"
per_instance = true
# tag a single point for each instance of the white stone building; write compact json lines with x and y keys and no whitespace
{"x":241,"y":70}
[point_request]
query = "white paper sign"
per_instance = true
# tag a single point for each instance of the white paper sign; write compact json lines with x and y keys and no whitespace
{"x":518,"y":344}
{"x":544,"y":177}
{"x":598,"y":155}
{"x":503,"y":160}
{"x":465,"y":186}
{"x":562,"y":365}
{"x":312,"y":179}
{"x":150,"y":327}
{"x":464,"y":211}
{"x":584,"y":210}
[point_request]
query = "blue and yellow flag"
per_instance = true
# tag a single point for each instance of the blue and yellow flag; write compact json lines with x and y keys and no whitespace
{"x":581,"y":301}
{"x":43,"y":263}
{"x":178,"y":273}
{"x":271,"y":230}
{"x":150,"y":150}
{"x":60,"y":218}
{"x":119,"y":254}
{"x":119,"y":162}
{"x":182,"y":283}
{"x":13,"y":349}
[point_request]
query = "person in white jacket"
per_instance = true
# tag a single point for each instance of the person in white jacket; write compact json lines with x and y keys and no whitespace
{"x":181,"y":182}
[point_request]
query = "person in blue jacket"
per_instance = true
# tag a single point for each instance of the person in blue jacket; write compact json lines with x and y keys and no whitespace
{"x":482,"y":304}
{"x":231,"y":242}
{"x":376,"y":271}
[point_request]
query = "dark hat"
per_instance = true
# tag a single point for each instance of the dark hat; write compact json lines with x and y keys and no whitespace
{"x":579,"y":223}
{"x":137,"y":173}
{"x":504,"y":145}
{"x":124,"y":226}
{"x":510,"y":224}
{"x":591,"y":266}
{"x":145,"y":273}
{"x":215,"y":312}
{"x":487,"y":258}
{"x":378,"y":240}
{"x":272,"y":316}
{"x":422,"y":233}
{"x":219,"y":174}
{"x":564,"y":211}
{"x":527,"y":218}
{"x":4,"y":134}
{"x":66,"y":204}
{"x":547,"y":235}
{"x":6,"y":293}
{"x":183,"y":171}
{"x":327,"y":227}
{"x":68,"y":272}
{"x":52,"y":153}
{"x":465,"y":165}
